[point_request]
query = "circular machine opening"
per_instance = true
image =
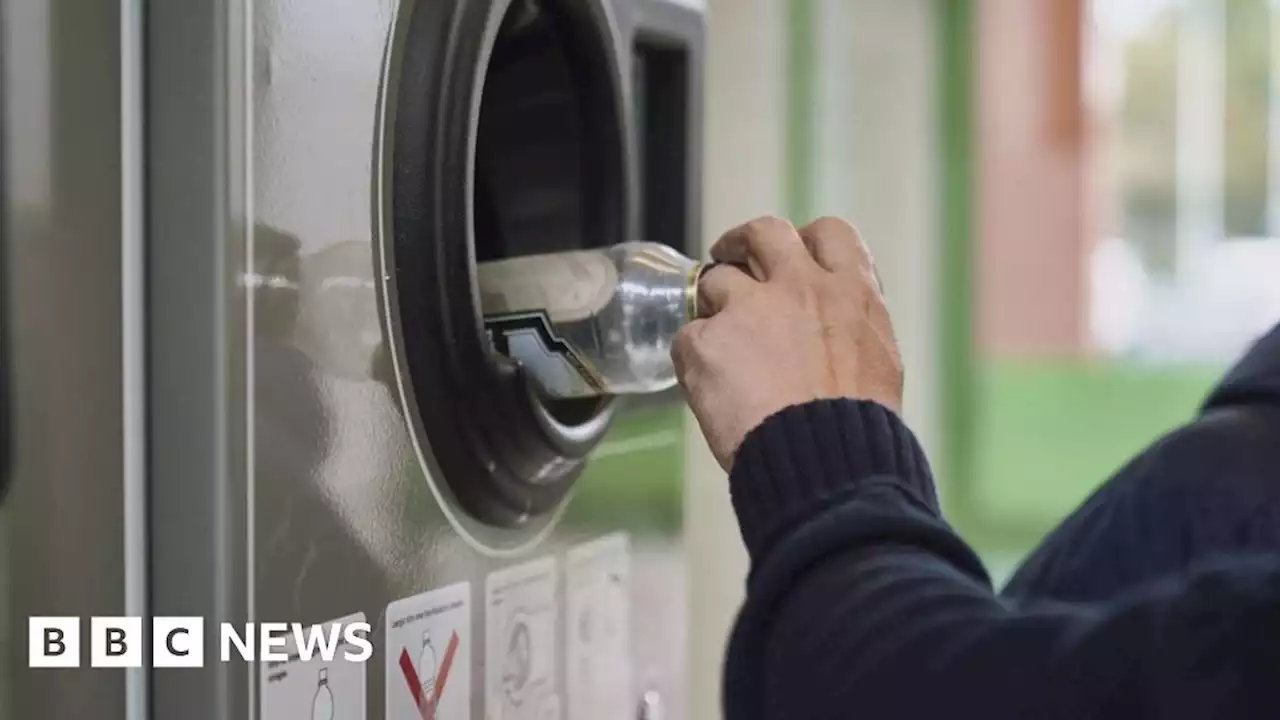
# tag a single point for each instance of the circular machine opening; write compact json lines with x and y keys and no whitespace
{"x":549,"y":173}
{"x":540,"y":185}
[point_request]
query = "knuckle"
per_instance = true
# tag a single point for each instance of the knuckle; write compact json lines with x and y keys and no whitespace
{"x":831,"y":226}
{"x":770,"y":226}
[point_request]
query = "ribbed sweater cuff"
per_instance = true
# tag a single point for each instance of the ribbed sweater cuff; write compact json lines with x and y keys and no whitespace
{"x":802,"y":459}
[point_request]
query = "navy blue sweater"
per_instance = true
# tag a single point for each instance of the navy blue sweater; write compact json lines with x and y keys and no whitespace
{"x":1159,"y":598}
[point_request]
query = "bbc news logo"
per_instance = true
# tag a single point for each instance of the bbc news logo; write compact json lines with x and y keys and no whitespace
{"x":178,"y":642}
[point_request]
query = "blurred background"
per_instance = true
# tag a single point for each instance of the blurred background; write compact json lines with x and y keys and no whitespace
{"x":1074,"y":204}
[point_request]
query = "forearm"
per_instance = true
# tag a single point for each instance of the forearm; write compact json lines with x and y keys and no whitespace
{"x":871,"y":605}
{"x":897,"y":633}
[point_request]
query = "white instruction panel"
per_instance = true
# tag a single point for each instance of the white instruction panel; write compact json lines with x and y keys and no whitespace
{"x":429,"y":655}
{"x":598,"y":629}
{"x":520,"y":642}
{"x":315,"y":688}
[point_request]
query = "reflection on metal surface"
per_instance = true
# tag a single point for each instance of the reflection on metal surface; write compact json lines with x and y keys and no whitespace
{"x":256,"y":281}
{"x":339,"y":325}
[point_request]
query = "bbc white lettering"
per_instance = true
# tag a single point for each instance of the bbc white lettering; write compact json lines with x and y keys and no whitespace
{"x":53,"y":642}
{"x":115,"y":642}
{"x":179,"y":642}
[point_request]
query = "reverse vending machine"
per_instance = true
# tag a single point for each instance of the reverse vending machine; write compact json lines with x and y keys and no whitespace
{"x":249,"y":382}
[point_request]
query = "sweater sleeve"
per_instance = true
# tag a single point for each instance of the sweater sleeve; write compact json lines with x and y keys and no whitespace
{"x":863,"y":603}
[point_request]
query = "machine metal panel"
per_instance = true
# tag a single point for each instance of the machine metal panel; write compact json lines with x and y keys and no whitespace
{"x":192,"y":207}
{"x":62,"y":522}
{"x":196,"y":197}
{"x":286,"y":482}
{"x":203,"y":419}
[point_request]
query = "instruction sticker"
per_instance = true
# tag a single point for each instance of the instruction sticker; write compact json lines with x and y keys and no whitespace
{"x":598,"y":629}
{"x":520,"y":643}
{"x":429,"y":655}
{"x":308,"y":687}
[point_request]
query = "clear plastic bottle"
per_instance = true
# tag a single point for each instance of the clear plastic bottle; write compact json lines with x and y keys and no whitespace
{"x":322,"y":703}
{"x":591,"y":322}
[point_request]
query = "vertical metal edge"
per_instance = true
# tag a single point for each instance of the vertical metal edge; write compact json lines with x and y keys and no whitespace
{"x":133,"y":335}
{"x":6,"y":471}
{"x":248,"y":218}
{"x":197,"y":223}
{"x":223,"y":556}
{"x":234,"y":558}
{"x":62,"y":518}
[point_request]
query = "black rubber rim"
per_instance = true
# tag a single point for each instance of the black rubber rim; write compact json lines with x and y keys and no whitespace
{"x":501,"y":458}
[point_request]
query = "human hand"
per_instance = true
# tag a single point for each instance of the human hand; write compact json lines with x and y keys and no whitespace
{"x":805,"y":320}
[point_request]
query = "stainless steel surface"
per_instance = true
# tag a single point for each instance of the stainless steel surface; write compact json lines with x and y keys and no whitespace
{"x":133,"y":321}
{"x":200,"y":478}
{"x":346,"y":520}
{"x":61,"y":526}
{"x":239,"y":365}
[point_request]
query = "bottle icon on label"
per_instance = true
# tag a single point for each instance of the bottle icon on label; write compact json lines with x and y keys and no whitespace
{"x":322,"y":704}
{"x":427,"y":668}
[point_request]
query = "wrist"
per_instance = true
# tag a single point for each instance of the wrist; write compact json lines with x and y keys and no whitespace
{"x":805,"y":457}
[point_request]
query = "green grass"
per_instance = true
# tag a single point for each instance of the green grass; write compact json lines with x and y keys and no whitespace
{"x":1047,"y":433}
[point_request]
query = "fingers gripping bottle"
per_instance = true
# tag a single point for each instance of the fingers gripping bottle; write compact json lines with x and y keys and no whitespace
{"x":591,"y":322}
{"x":322,"y":703}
